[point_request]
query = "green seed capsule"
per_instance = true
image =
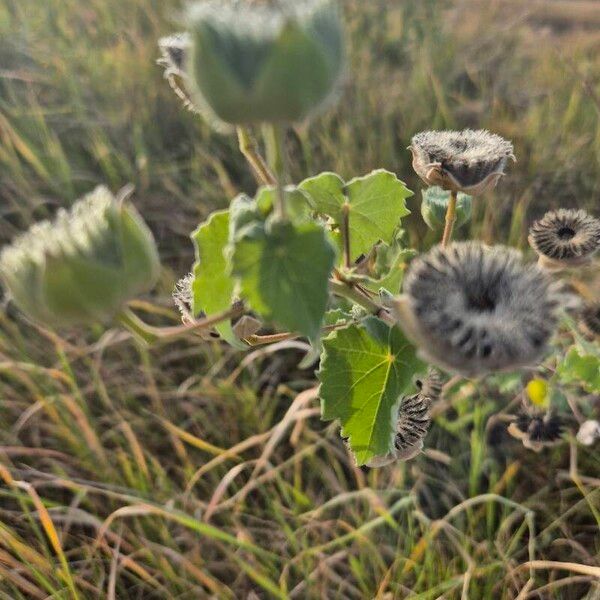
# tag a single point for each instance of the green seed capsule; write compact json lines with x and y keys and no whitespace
{"x":253,"y":62}
{"x":434,"y":206}
{"x":84,"y":266}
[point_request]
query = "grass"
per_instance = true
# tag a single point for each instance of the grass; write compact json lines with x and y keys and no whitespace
{"x":186,"y":472}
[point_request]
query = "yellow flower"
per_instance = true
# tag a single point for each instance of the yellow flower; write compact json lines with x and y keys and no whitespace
{"x":538,"y":392}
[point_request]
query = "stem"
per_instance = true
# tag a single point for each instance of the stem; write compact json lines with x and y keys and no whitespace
{"x":351,"y":293}
{"x":450,"y":218}
{"x":276,"y":145}
{"x":263,"y":340}
{"x":345,"y":231}
{"x":150,"y":334}
{"x":249,"y":148}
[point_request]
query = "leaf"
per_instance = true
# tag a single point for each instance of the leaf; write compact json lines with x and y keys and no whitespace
{"x":212,"y":287}
{"x":284,"y":272}
{"x":327,"y":193}
{"x":582,"y":369}
{"x":336,"y":316}
{"x":389,"y":268}
{"x":377,"y":203}
{"x":365,"y":371}
{"x":297,"y":202}
{"x":244,"y":215}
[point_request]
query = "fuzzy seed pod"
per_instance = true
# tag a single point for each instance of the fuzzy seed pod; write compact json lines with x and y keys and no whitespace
{"x":84,"y":266}
{"x":590,"y":320}
{"x":432,"y":385}
{"x":565,"y":238}
{"x":175,"y":51}
{"x":257,"y":62}
{"x":474,"y":309}
{"x":589,"y":432}
{"x":537,"y":431}
{"x":462,"y":161}
{"x":413,"y":424}
{"x":413,"y":421}
{"x":182,"y":298}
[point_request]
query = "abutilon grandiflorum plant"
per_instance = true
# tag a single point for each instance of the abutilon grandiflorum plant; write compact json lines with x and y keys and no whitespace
{"x":326,"y":258}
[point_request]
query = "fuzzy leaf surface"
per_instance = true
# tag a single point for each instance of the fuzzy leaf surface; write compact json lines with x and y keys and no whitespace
{"x":376,"y":203}
{"x":212,"y":287}
{"x":583,"y":369}
{"x":284,"y":273}
{"x":365,"y":371}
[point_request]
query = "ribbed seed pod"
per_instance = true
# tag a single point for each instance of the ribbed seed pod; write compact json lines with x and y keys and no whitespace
{"x":175,"y":54}
{"x":84,"y":266}
{"x":565,"y":238}
{"x":462,"y":161}
{"x":413,"y":421}
{"x":432,"y":385}
{"x":474,"y":309}
{"x":537,"y":431}
{"x":413,"y":424}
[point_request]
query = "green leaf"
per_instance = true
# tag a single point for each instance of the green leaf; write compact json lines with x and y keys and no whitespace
{"x":244,"y":215}
{"x":212,"y":288}
{"x":582,"y":369}
{"x":365,"y":371}
{"x":284,"y":272}
{"x":388,"y":270}
{"x":297,"y":202}
{"x":327,"y":193}
{"x":377,"y":203}
{"x":336,"y":316}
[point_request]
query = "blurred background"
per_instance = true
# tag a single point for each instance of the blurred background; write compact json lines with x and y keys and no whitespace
{"x":99,"y":424}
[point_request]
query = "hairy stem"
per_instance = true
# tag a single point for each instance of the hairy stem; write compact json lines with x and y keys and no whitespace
{"x":345,"y":231}
{"x":150,"y":334}
{"x":249,"y":148}
{"x":450,"y":219}
{"x":263,"y":340}
{"x":275,"y":136}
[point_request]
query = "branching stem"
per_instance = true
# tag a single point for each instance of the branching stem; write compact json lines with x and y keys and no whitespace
{"x":275,"y":135}
{"x":249,"y":148}
{"x":150,"y":334}
{"x":346,"y":290}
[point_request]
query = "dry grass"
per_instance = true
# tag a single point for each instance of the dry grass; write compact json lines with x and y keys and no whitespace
{"x":181,"y":472}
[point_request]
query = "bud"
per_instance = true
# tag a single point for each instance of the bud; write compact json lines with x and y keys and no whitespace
{"x":435,"y":203}
{"x":253,"y":62}
{"x":84,"y":266}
